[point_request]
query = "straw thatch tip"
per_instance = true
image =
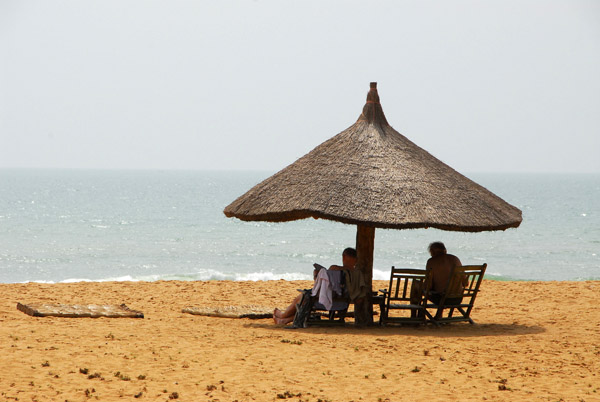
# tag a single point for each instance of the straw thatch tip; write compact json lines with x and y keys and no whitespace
{"x":372,"y":111}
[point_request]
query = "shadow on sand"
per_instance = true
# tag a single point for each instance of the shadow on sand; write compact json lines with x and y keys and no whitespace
{"x":444,"y":331}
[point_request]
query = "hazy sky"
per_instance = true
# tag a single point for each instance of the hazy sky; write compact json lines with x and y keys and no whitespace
{"x":483,"y":85}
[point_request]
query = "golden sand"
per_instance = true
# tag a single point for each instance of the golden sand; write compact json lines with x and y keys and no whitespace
{"x":533,"y":341}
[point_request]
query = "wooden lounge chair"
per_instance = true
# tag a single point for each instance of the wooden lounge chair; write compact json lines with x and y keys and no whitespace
{"x":308,"y":311}
{"x":403,"y":300}
{"x":456,"y":299}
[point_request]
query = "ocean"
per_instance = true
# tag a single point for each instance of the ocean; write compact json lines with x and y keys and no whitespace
{"x":106,"y":225}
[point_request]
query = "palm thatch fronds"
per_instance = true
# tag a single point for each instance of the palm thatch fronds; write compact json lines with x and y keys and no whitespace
{"x":373,"y":176}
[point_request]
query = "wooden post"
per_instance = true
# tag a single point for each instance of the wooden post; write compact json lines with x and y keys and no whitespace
{"x":365,"y":243}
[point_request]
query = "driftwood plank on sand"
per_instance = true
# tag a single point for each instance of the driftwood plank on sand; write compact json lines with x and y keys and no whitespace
{"x":79,"y":310}
{"x":244,"y":311}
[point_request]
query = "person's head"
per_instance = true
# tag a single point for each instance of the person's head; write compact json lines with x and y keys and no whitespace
{"x":349,"y":257}
{"x":437,"y":248}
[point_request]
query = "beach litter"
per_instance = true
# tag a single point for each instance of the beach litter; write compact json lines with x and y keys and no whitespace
{"x":79,"y":310}
{"x":243,"y":311}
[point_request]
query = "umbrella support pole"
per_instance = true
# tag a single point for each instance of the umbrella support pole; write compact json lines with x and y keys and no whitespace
{"x":365,"y":244}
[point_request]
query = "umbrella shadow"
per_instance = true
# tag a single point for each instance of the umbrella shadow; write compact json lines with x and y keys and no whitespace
{"x":443,"y":331}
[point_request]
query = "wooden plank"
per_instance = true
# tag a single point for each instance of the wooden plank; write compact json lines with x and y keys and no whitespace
{"x":79,"y":310}
{"x":245,"y":311}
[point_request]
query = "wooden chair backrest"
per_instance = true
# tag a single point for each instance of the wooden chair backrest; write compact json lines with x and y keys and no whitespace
{"x":473,"y":274}
{"x":401,"y":282}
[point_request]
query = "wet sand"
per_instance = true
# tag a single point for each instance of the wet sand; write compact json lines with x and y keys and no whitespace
{"x":533,"y":341}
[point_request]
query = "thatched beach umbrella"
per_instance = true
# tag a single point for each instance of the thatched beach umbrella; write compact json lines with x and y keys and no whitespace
{"x":372,"y":176}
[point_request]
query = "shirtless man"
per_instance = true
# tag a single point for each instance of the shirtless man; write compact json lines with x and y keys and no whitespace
{"x":286,"y":316}
{"x":438,"y":272}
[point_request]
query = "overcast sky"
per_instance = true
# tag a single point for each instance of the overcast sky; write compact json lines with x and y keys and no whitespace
{"x":501,"y":86}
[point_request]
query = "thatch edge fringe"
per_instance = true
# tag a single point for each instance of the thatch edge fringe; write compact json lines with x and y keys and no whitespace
{"x":304,"y":214}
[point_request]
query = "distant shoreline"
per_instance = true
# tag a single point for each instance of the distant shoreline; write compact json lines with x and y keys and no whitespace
{"x":100,"y":225}
{"x":100,"y":281}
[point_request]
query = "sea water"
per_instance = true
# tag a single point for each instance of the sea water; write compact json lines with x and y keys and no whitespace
{"x":76,"y":225}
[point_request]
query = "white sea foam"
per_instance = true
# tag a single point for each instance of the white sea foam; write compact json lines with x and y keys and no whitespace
{"x":270,"y":276}
{"x":74,"y":280}
{"x":201,"y":276}
{"x":381,"y":275}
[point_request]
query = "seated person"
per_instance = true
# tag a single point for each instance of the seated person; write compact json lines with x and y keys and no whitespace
{"x":438,"y":272}
{"x":286,"y":316}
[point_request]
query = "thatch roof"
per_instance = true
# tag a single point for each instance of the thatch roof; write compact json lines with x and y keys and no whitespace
{"x":371,"y":175}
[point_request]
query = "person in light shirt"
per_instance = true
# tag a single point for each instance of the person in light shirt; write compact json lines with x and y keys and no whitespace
{"x":286,"y":316}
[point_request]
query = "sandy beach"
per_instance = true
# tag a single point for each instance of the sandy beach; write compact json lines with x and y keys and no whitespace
{"x":533,"y":341}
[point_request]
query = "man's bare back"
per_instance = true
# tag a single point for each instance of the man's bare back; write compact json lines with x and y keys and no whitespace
{"x":439,"y":267}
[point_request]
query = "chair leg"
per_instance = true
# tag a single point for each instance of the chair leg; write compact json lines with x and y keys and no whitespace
{"x":429,"y":317}
{"x":382,"y":313}
{"x":466,"y":314}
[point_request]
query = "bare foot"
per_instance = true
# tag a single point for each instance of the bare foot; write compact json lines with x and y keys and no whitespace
{"x":277,"y":313}
{"x":282,"y":321}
